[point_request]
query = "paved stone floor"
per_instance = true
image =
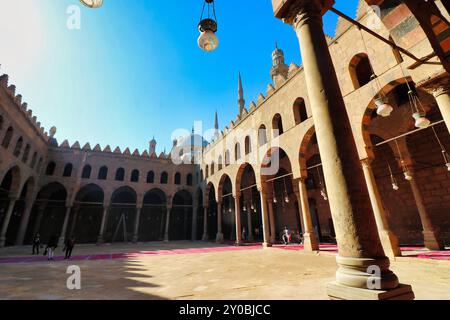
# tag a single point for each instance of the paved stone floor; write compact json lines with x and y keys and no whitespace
{"x":186,"y":270}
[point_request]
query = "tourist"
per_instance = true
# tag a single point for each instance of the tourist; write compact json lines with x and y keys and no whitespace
{"x":70,"y":244}
{"x":51,"y":247}
{"x":285,"y":236}
{"x":36,"y":243}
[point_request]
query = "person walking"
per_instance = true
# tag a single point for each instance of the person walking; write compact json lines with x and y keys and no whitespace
{"x":70,"y":244}
{"x":36,"y":244}
{"x":51,"y":247}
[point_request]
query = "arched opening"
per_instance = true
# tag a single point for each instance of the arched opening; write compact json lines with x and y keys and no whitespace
{"x":177,"y":179}
{"x":164,"y":178}
{"x":250,"y":202}
{"x":227,"y":158}
{"x":277,"y":125}
{"x":120,"y":174}
{"x":50,"y":170}
{"x":300,"y":113}
{"x":180,"y":225}
{"x":86,"y":174}
{"x":153,"y":216}
{"x":68,"y":170}
{"x":212,"y":211}
{"x":18,"y":148}
{"x":189,"y":179}
{"x":48,"y":214}
{"x":103,"y":173}
{"x":206,"y":172}
{"x":26,"y":153}
{"x":151,"y":177}
{"x":135,"y":175}
{"x":226,"y":196}
{"x":87,"y":214}
{"x":248,"y":145}
{"x":360,"y":69}
{"x":262,"y":135}
{"x":33,"y":160}
{"x":220,"y":163}
{"x":7,"y":138}
{"x":122,"y":214}
{"x":237,"y":152}
{"x":212,"y":168}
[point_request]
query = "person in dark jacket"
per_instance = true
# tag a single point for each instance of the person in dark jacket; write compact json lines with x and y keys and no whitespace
{"x":36,"y":243}
{"x":51,"y":247}
{"x":70,"y":244}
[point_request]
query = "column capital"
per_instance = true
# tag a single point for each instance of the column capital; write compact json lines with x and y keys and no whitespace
{"x":287,"y":10}
{"x":307,"y":11}
{"x":439,"y":87}
{"x":367,"y":162}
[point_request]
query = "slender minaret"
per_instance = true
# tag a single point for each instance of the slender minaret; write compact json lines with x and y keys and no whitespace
{"x":152,"y":146}
{"x":241,"y":101}
{"x":216,"y":127}
{"x":280,"y":69}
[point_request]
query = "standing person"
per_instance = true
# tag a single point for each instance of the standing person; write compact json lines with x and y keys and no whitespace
{"x":285,"y":236}
{"x":51,"y":247}
{"x":36,"y":243}
{"x":70,"y":244}
{"x":244,"y":234}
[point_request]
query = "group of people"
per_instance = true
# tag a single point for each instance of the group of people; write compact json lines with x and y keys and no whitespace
{"x":51,"y":246}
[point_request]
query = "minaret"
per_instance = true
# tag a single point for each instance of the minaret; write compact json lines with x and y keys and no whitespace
{"x":216,"y":127}
{"x":152,"y":146}
{"x":280,"y":70}
{"x":241,"y":101}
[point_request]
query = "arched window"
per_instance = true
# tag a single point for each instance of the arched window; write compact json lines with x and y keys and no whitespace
{"x":212,"y":168}
{"x":33,"y":160}
{"x":135,"y":175}
{"x":26,"y":153}
{"x":68,"y":170}
{"x":150,"y":177}
{"x":86,"y":174}
{"x":206,"y":171}
{"x":220,"y":163}
{"x":189,"y":179}
{"x":7,"y":139}
{"x":237,"y":151}
{"x":262,"y":135}
{"x":50,"y":168}
{"x":227,"y":158}
{"x":18,"y":147}
{"x":360,"y":70}
{"x":103,"y":173}
{"x":177,"y":179}
{"x":164,"y":178}
{"x":248,"y":145}
{"x":299,"y":109}
{"x":277,"y":125}
{"x":120,"y":174}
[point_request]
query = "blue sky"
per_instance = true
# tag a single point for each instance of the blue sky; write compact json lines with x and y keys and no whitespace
{"x":133,"y":70}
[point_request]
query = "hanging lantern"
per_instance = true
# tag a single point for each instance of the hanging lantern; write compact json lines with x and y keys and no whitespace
{"x":408,"y":175}
{"x":421,"y":121}
{"x":244,"y":208}
{"x":418,"y":112}
{"x":383,"y":108}
{"x":448,"y":166}
{"x":92,"y":3}
{"x":275,"y":199}
{"x":286,"y":199}
{"x":208,"y":40}
{"x":324,"y":195}
{"x":252,"y":207}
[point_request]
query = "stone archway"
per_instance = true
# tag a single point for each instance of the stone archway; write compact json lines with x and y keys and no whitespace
{"x":122,"y":215}
{"x":153,"y":216}
{"x":181,"y":216}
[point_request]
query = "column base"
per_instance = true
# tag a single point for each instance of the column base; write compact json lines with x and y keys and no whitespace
{"x":432,"y":240}
{"x":205,"y":237}
{"x":338,"y":291}
{"x":266,"y":245}
{"x":310,"y":242}
{"x":389,"y":241}
{"x":238,"y":243}
{"x":219,"y":237}
{"x":2,"y":242}
{"x":100,"y":240}
{"x":135,"y":239}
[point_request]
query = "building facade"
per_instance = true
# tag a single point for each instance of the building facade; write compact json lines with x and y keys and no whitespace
{"x":265,"y":171}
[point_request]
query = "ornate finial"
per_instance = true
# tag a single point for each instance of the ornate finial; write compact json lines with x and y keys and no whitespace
{"x":52,"y":131}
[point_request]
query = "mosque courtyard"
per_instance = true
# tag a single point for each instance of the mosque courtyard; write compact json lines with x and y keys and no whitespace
{"x":201,"y":271}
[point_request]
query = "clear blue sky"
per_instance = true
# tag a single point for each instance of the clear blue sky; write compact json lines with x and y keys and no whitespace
{"x":134,"y":70}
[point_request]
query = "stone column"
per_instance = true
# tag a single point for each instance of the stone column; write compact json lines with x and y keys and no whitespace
{"x":272,"y":222}
{"x":136,"y":225}
{"x":310,"y":241}
{"x":62,"y":237}
{"x":219,"y":236}
{"x":205,"y":223}
{"x":40,"y":214}
{"x":194,"y":223}
{"x":388,"y":239}
{"x":24,"y":223}
{"x":4,"y":229}
{"x":360,"y":249}
{"x":265,"y":220}
{"x":430,"y":234}
{"x":442,"y":96}
{"x":103,"y":225}
{"x":249,"y":223}
{"x":237,"y":211}
{"x":166,"y":231}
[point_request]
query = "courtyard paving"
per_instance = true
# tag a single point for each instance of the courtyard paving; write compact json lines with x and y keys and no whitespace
{"x":186,"y":270}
